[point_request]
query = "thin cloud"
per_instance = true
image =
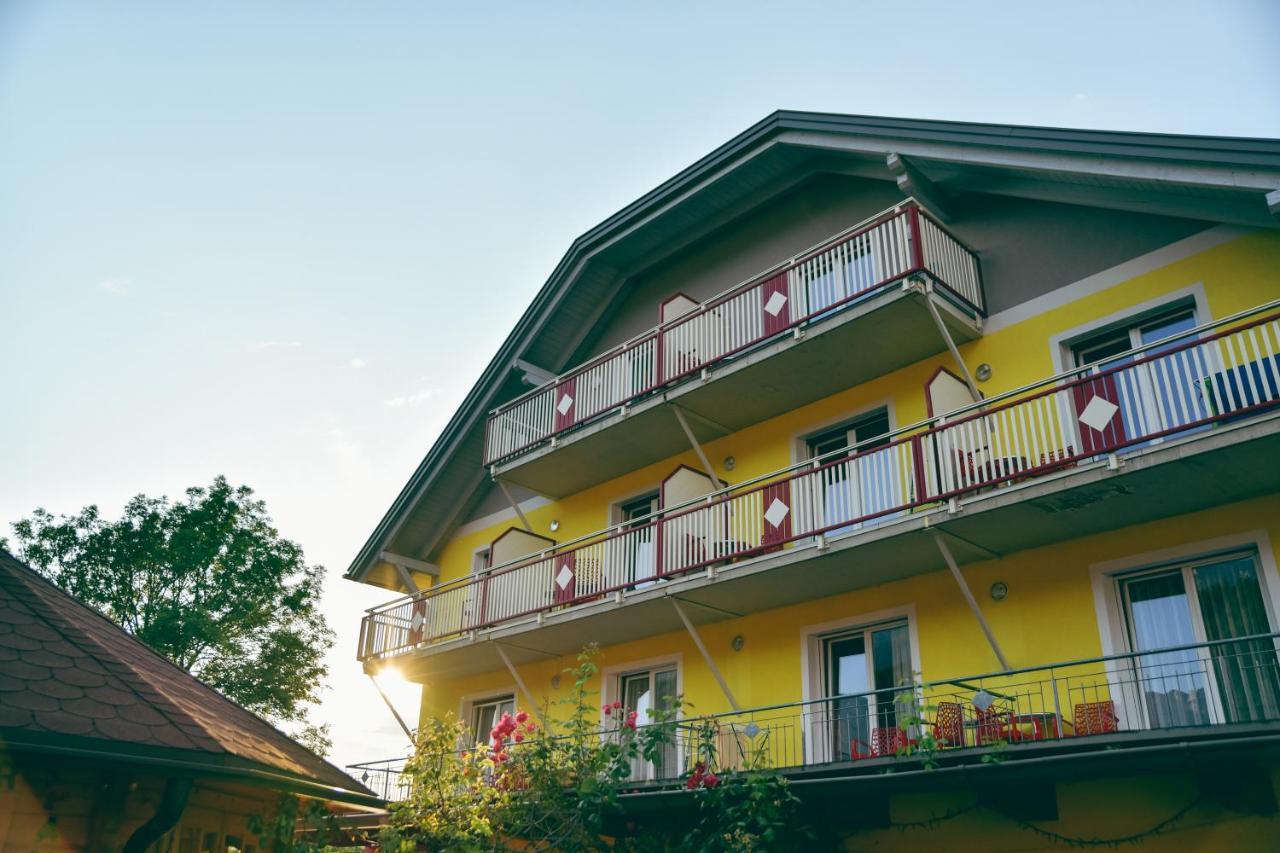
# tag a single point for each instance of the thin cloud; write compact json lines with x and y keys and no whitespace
{"x":410,"y":399}
{"x":261,"y":345}
{"x":357,"y":364}
{"x":346,"y":447}
{"x":116,"y":286}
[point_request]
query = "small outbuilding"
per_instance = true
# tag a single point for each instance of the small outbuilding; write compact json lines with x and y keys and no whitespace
{"x":106,"y":745}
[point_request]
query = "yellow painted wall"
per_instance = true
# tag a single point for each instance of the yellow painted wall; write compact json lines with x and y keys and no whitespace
{"x":1049,"y":614}
{"x":1236,"y":276}
{"x":1090,"y":808}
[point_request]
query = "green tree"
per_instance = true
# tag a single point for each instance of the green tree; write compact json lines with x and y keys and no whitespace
{"x":207,"y":582}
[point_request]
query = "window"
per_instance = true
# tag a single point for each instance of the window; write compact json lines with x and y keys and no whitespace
{"x":645,"y":692}
{"x":480,"y":560}
{"x":864,"y":673}
{"x":487,"y":712}
{"x":839,"y":274}
{"x":1153,"y":394}
{"x":850,"y":488}
{"x":635,"y":549}
{"x":1197,"y":602}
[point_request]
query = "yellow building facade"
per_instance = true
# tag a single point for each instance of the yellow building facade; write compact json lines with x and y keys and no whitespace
{"x":1006,"y":507}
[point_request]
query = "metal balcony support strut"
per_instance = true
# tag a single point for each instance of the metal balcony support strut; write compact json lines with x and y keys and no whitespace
{"x":968,"y":596}
{"x":706,"y":655}
{"x":515,"y":676}
{"x":697,"y":448}
{"x":515,"y":505}
{"x":392,"y":708}
{"x":951,"y":347}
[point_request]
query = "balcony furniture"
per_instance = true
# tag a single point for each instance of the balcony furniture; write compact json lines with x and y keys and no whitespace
{"x":1037,"y":725}
{"x":948,"y":724}
{"x":888,"y":741}
{"x":1057,"y":460}
{"x":1096,"y":718}
{"x":885,"y":742}
{"x":993,"y":725}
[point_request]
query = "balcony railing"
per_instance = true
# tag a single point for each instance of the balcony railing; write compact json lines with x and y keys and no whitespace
{"x":1190,"y":383}
{"x":1193,"y":689}
{"x":893,"y":245}
{"x":385,"y":778}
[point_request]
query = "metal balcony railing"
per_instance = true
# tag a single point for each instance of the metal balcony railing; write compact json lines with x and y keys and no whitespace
{"x":1191,"y":383}
{"x":888,"y":248}
{"x":1092,"y":703}
{"x":385,"y":778}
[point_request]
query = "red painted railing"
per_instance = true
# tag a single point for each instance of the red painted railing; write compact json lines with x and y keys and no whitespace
{"x":1189,"y":383}
{"x":898,"y":243}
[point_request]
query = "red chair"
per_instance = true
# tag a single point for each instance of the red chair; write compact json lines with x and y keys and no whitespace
{"x":1096,"y":718}
{"x":889,"y":741}
{"x":948,"y":724}
{"x":994,"y":725}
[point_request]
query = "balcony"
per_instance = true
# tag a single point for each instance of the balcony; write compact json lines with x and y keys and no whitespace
{"x":778,"y":341}
{"x":1168,"y":428}
{"x":1194,"y":699}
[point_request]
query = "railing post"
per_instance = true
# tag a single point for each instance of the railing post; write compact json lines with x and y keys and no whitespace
{"x":917,"y":465}
{"x":913,"y":234}
{"x":1057,"y":703}
{"x":659,"y":523}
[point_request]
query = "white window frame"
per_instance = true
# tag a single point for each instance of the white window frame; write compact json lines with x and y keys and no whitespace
{"x":812,"y":669}
{"x":611,"y":689}
{"x":467,"y":705}
{"x":1105,"y":578}
{"x":1061,"y":345}
{"x":800,"y":438}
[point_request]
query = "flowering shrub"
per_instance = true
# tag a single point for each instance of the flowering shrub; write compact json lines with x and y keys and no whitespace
{"x":558,"y":786}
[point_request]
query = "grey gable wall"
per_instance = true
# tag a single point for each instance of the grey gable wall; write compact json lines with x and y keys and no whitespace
{"x":1027,"y":247}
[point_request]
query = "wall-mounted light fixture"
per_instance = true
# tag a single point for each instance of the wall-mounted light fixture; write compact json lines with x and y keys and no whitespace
{"x":983,"y":373}
{"x":999,"y":591}
{"x":729,"y":463}
{"x":738,"y":642}
{"x":555,"y":525}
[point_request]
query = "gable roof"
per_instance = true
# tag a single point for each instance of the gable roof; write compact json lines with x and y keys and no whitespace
{"x":73,"y":682}
{"x":1214,"y":178}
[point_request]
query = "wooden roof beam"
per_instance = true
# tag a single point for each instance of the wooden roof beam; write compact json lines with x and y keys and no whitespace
{"x":916,"y":185}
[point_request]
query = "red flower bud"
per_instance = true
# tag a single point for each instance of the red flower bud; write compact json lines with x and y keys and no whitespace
{"x":608,"y":709}
{"x":521,"y":717}
{"x":519,"y":737}
{"x":710,"y":780}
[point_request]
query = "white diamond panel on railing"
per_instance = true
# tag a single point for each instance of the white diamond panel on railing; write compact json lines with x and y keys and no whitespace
{"x":565,"y":577}
{"x":1098,"y":414}
{"x":775,"y":304}
{"x":776,"y":512}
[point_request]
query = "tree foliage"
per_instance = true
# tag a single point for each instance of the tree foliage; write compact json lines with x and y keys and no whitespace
{"x":208,"y":582}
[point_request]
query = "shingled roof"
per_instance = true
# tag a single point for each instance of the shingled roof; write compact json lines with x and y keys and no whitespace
{"x":71,"y":681}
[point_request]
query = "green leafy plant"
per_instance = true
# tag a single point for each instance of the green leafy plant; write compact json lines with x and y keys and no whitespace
{"x":559,"y":785}
{"x":208,"y":582}
{"x":295,"y":826}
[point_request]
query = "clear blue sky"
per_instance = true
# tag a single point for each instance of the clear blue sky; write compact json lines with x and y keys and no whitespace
{"x":280,"y":240}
